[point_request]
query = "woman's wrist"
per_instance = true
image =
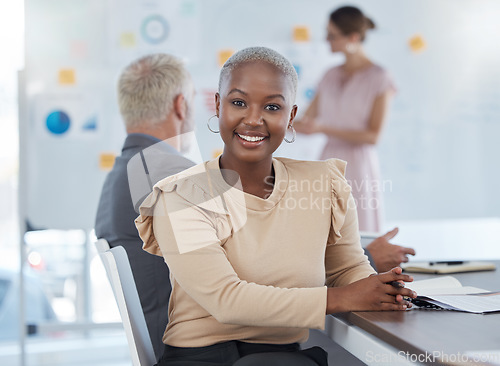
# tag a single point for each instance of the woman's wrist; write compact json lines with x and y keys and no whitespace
{"x":334,"y":302}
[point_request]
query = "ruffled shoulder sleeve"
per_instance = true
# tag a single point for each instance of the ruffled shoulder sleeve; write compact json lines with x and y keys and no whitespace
{"x":340,"y":194}
{"x":188,"y":189}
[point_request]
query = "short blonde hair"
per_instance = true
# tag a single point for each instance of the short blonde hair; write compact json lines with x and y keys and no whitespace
{"x":260,"y":54}
{"x":148,"y":87}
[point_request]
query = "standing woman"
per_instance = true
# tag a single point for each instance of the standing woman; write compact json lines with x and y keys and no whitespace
{"x":260,"y":249}
{"x":350,"y":108}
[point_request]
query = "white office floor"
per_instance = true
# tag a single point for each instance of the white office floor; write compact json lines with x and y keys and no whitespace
{"x":79,"y":351}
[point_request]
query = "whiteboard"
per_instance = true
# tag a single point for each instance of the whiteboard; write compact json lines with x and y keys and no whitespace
{"x":439,"y":149}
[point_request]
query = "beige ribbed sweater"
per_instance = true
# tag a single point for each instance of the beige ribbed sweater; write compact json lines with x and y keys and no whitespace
{"x":252,"y":269}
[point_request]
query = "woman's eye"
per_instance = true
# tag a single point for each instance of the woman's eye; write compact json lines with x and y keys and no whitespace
{"x":238,"y":103}
{"x":272,"y":107}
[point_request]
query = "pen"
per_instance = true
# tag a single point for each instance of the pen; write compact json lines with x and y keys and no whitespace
{"x":450,"y":263}
{"x":396,"y":284}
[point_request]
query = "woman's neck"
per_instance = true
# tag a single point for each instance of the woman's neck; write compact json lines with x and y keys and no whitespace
{"x":355,"y":62}
{"x":256,"y":178}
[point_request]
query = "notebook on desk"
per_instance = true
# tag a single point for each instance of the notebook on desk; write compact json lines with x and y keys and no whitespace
{"x":447,"y":293}
{"x":439,"y":267}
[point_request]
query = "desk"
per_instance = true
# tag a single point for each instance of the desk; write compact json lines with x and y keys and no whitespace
{"x":420,"y":336}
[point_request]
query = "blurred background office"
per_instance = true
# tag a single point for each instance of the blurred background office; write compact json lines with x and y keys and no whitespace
{"x":61,"y":129}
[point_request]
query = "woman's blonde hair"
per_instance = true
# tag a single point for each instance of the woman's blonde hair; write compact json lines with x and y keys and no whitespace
{"x":260,"y":54}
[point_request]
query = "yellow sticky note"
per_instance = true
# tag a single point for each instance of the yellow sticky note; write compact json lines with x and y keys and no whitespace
{"x":106,"y":161}
{"x":216,"y":153}
{"x":127,"y":40}
{"x":67,"y":77}
{"x":417,"y":43}
{"x":224,"y":55}
{"x":301,"y":33}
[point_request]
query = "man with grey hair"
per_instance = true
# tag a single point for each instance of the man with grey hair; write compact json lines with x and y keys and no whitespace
{"x":155,"y":95}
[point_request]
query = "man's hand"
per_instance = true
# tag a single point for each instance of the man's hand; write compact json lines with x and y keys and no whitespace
{"x":386,"y":255}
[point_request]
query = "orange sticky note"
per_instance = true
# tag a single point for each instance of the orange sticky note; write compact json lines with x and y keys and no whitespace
{"x":224,"y":55}
{"x":106,"y":161}
{"x":417,"y":43}
{"x":67,"y":77}
{"x":301,"y":33}
{"x":127,"y":40}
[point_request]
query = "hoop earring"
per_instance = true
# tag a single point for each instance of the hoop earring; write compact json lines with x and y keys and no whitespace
{"x":294,"y":135}
{"x":208,"y":123}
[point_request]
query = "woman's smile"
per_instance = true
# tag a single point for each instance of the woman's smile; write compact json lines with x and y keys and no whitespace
{"x":251,"y":140}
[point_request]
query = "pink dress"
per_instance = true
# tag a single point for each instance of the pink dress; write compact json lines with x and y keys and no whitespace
{"x":348,"y":106}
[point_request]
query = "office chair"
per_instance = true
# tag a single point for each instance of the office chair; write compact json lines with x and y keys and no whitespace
{"x":120,"y":276}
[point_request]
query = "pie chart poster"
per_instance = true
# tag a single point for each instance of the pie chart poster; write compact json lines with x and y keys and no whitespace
{"x":62,"y":141}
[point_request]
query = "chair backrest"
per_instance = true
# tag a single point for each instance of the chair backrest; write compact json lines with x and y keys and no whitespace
{"x":120,"y":276}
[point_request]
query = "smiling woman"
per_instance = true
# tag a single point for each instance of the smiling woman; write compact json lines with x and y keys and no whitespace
{"x":248,"y":254}
{"x":255,"y":108}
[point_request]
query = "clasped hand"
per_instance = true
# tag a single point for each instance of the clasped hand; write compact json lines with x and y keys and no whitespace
{"x":374,"y":293}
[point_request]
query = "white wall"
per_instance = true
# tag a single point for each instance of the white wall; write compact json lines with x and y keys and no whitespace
{"x":439,"y":147}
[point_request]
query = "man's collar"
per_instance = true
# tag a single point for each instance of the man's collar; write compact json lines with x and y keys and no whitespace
{"x":143,"y":140}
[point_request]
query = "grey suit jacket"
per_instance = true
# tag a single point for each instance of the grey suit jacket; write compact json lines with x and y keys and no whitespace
{"x":144,"y":161}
